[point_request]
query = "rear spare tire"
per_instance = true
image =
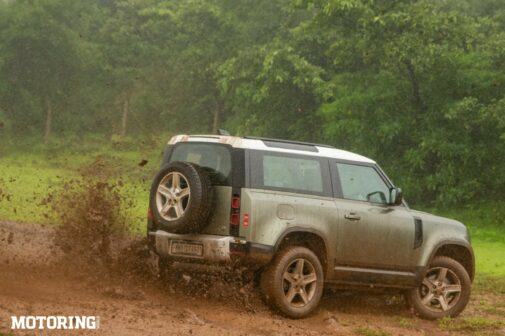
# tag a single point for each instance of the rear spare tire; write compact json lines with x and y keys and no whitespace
{"x":181,"y":198}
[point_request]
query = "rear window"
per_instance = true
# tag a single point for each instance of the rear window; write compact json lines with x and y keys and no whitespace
{"x":215,"y":159}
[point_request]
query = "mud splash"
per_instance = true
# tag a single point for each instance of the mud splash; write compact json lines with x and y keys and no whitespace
{"x":95,"y":242}
{"x":233,"y":285}
{"x":92,"y":231}
{"x":90,"y":216}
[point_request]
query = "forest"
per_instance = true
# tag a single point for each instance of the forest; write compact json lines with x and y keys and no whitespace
{"x":417,"y":85}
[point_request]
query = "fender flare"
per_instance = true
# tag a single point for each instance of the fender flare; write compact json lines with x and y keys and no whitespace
{"x":301,"y":229}
{"x":443,"y":243}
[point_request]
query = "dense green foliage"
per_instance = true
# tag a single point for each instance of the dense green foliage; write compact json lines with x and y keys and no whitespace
{"x":417,"y":85}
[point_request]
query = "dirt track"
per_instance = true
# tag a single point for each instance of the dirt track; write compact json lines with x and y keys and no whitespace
{"x":35,"y":279}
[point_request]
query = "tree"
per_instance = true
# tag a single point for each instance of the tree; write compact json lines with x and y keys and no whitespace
{"x":40,"y":64}
{"x":412,"y":81}
{"x":122,"y":44}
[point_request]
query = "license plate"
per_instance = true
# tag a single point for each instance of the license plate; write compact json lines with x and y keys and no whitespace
{"x":186,"y":249}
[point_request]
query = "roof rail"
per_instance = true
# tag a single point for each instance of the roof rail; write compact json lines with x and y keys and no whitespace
{"x":288,"y":141}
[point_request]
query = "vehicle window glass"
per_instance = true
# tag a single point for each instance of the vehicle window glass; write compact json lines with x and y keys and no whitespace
{"x":214,"y":159}
{"x":292,"y":173}
{"x":362,"y":183}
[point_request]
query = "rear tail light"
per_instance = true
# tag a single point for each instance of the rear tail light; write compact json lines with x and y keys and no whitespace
{"x":245,"y":220}
{"x":235,"y":219}
{"x":235,"y":202}
{"x":235,"y":215}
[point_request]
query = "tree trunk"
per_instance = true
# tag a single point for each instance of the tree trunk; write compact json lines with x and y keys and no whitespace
{"x":49,"y":120}
{"x":218,"y":112}
{"x":416,"y":95}
{"x":124,"y":120}
{"x":216,"y":120}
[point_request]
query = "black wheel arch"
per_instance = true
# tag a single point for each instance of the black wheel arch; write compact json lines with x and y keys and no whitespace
{"x":311,"y":238}
{"x":460,"y":251}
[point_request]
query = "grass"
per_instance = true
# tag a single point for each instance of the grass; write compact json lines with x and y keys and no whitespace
{"x":496,"y":309}
{"x":471,"y":324}
{"x":486,"y":223}
{"x":24,"y":188}
{"x":26,"y":179}
{"x":367,"y":331}
{"x":490,"y":257}
{"x":406,"y":323}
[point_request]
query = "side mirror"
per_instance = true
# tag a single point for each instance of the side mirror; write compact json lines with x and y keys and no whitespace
{"x":395,"y":196}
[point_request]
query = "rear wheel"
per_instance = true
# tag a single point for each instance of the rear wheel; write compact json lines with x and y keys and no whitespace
{"x":445,"y":290}
{"x":293,"y":282}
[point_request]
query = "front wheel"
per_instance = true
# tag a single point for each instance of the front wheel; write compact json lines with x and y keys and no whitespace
{"x":293,"y":282}
{"x":445,"y":290}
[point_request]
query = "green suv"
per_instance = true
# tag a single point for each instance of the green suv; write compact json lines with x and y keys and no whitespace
{"x":304,"y":216}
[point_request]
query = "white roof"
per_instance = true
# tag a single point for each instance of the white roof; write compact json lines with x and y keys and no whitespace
{"x":258,"y":144}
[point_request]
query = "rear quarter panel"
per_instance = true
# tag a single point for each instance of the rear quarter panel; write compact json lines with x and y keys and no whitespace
{"x":272,"y":213}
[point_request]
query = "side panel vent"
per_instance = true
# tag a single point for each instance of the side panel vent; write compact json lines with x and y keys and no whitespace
{"x":418,"y":234}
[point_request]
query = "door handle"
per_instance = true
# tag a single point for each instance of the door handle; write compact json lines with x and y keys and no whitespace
{"x":352,"y":216}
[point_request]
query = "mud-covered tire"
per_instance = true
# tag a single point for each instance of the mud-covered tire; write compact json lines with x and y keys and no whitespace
{"x":278,"y":279}
{"x":445,"y":290}
{"x":189,"y":205}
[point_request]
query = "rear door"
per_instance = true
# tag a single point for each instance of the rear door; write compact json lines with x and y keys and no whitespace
{"x":373,"y":238}
{"x":224,"y":165}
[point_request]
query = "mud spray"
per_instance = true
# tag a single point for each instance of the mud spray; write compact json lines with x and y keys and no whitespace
{"x":92,"y":231}
{"x":96,"y":242}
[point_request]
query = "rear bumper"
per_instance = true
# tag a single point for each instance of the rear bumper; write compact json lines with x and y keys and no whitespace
{"x":215,"y":249}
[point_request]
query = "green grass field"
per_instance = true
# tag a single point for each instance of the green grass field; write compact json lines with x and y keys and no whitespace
{"x":486,"y":223}
{"x":26,"y":180}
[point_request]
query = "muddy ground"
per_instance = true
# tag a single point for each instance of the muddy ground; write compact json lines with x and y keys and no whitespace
{"x":37,"y":278}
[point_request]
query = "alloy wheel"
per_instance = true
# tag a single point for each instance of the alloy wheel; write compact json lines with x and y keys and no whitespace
{"x":299,"y":282}
{"x":440,"y":290}
{"x":173,"y":196}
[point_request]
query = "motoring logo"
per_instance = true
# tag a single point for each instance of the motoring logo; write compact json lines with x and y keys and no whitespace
{"x":55,"y":322}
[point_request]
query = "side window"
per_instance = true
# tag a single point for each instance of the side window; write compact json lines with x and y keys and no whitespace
{"x":362,"y":183}
{"x":292,"y":173}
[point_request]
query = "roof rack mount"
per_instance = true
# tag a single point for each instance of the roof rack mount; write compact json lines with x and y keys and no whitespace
{"x":288,"y":141}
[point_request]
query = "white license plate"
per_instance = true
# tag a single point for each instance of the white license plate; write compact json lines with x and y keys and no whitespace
{"x":186,"y":248}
